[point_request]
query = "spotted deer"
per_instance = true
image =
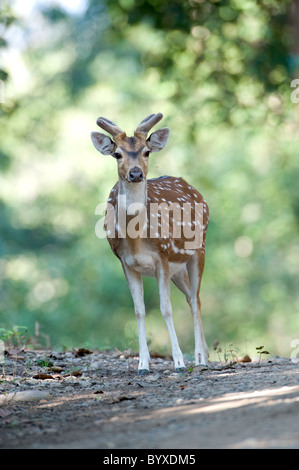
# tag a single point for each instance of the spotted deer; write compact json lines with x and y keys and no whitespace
{"x":160,"y":246}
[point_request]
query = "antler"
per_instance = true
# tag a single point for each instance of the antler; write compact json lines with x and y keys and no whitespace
{"x":109,"y":126}
{"x":149,"y":122}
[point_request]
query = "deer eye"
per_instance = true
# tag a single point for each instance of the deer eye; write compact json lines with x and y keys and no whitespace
{"x":147,"y":153}
{"x":117,"y":155}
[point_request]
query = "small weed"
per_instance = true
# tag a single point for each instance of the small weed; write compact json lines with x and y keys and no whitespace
{"x":44,"y":363}
{"x":15,"y":337}
{"x":229,"y":355}
{"x":232,"y":353}
{"x":218,"y":350}
{"x":259,"y":350}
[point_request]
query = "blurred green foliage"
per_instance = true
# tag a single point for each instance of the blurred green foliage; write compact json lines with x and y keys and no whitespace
{"x":220,"y":71}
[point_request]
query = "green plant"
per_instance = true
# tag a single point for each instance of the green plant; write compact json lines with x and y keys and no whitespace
{"x":259,"y":350}
{"x":229,"y":354}
{"x":232,"y":353}
{"x":218,"y":350}
{"x":44,"y":363}
{"x":17,"y":336}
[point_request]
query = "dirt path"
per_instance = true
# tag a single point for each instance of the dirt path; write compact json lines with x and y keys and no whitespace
{"x":97,"y":401}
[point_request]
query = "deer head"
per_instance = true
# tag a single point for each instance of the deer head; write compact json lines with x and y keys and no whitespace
{"x":131,"y":153}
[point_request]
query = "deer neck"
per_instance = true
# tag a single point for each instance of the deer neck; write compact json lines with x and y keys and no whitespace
{"x":132,"y":193}
{"x":132,"y":205}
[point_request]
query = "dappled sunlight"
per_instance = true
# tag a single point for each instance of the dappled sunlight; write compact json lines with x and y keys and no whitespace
{"x":265,"y":398}
{"x":96,"y":400}
{"x":237,"y":400}
{"x":230,"y":401}
{"x":65,"y":400}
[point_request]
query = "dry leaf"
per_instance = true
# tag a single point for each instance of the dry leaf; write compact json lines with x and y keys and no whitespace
{"x":16,"y":358}
{"x":82,"y":352}
{"x":245,"y":358}
{"x":56,"y":369}
{"x":74,"y":373}
{"x":42,"y":376}
{"x":57,"y":376}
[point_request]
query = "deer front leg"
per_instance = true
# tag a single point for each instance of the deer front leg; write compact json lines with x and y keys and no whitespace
{"x":163,"y":279}
{"x":136,"y":287}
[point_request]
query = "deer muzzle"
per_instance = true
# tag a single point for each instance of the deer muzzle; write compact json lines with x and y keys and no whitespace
{"x":135,"y":175}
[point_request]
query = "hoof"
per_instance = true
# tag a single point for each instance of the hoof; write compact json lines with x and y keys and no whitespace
{"x":180,"y":370}
{"x":143,"y":371}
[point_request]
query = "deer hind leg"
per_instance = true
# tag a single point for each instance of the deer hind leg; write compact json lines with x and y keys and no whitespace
{"x":195,"y":268}
{"x":136,"y":287}
{"x":166,"y":310}
{"x":181,"y":280}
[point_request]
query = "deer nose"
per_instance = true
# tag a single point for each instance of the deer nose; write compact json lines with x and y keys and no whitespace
{"x":136,"y":175}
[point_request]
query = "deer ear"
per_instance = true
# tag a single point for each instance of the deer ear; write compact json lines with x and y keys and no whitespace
{"x":102,"y":143}
{"x":158,"y":139}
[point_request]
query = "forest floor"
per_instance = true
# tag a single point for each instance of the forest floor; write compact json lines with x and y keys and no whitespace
{"x":96,"y":400}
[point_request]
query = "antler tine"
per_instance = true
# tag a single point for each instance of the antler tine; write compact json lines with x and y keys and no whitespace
{"x":109,"y":126}
{"x":149,"y":122}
